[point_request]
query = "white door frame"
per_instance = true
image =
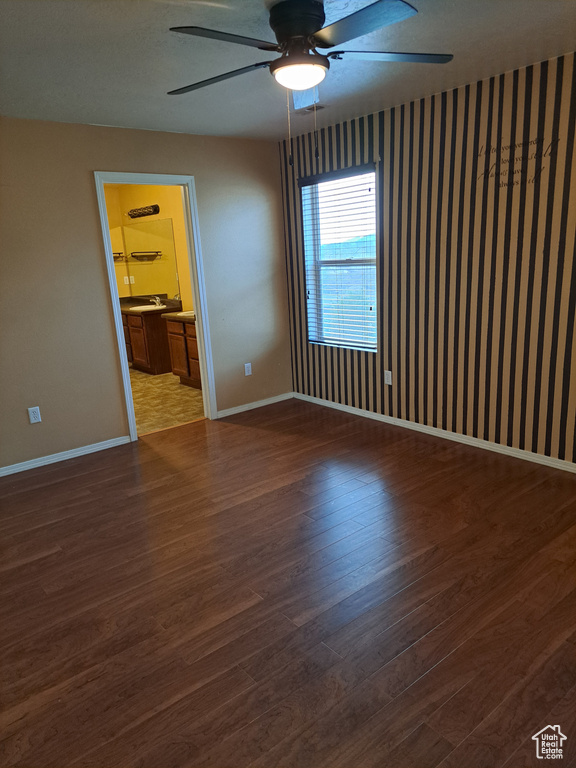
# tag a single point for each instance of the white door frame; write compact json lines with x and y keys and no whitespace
{"x":186,"y":183}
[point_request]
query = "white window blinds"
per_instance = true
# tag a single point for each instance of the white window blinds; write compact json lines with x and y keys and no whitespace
{"x":339,"y":219}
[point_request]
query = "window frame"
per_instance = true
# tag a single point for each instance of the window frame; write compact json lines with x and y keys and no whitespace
{"x":318,"y":264}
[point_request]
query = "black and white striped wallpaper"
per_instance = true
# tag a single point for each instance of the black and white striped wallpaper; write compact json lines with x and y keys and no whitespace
{"x":477,"y":267}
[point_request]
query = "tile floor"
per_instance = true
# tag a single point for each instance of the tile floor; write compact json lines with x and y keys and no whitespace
{"x":161,"y":401}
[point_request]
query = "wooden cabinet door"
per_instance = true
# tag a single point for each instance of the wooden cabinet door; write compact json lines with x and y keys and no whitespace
{"x":192,"y":348}
{"x":178,"y":354}
{"x":193,"y":363}
{"x":139,"y":348}
{"x":195,"y":372}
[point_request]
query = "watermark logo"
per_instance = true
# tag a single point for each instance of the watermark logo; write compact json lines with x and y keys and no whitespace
{"x":549,"y":743}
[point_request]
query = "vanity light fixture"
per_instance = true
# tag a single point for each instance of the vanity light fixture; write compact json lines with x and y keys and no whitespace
{"x":148,"y":210}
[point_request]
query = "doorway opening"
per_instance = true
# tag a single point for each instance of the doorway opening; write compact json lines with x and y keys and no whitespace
{"x":149,"y":226}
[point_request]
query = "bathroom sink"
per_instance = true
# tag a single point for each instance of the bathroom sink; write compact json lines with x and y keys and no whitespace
{"x":187,"y":313}
{"x":144,"y":307}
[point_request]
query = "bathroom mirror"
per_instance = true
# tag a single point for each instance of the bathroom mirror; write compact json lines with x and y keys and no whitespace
{"x":145,"y":258}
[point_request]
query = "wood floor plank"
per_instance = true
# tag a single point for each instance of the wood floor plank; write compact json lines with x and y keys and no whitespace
{"x":145,"y":736}
{"x":269,"y":659}
{"x":290,"y":717}
{"x":564,"y":714}
{"x":423,"y":748}
{"x":517,"y":655}
{"x":291,"y":586}
{"x":491,"y":744}
{"x":240,"y":648}
{"x":306,"y":748}
{"x":324,"y":567}
{"x":373,"y":740}
{"x":47,"y":610}
{"x":298,"y":537}
{"x":457,"y":628}
{"x":306,"y":604}
{"x":341,"y":501}
{"x":434,"y":691}
{"x":268,"y":693}
{"x":41,"y":660}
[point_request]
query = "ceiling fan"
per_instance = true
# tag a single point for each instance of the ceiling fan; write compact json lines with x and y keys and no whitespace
{"x":298,"y":26}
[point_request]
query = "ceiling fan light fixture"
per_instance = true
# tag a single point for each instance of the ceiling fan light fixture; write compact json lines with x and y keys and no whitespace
{"x":300,"y":72}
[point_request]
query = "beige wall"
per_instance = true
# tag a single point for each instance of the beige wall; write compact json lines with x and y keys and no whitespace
{"x":57,"y":341}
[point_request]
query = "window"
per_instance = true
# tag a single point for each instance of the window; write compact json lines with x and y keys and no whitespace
{"x":339,"y":217}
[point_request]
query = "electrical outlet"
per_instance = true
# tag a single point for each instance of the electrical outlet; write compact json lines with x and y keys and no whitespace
{"x":126,"y":280}
{"x":247,"y":369}
{"x":387,"y":377}
{"x":34,"y":414}
{"x":132,"y":279}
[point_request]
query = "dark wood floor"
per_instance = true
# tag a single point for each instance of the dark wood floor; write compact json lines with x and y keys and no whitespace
{"x":288,"y":587}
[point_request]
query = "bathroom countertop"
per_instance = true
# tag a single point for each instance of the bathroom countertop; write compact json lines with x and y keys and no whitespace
{"x":168,"y":305}
{"x":181,"y":317}
{"x":134,"y":311}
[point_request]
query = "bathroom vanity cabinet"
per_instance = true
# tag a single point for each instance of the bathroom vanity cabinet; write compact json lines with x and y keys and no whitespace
{"x":146,"y":341}
{"x":183,"y":349}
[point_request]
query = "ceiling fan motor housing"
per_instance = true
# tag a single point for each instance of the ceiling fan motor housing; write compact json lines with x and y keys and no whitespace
{"x":291,"y":19}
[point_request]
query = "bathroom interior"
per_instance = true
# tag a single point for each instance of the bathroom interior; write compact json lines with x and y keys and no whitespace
{"x":152,"y":268}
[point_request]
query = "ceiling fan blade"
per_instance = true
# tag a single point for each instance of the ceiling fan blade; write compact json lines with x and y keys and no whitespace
{"x":218,"y":78}
{"x":375,"y":16}
{"x":226,"y":37}
{"x":418,"y":58}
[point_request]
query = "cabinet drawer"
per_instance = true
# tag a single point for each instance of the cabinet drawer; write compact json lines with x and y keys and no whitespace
{"x":192,"y":345}
{"x":173,"y":327}
{"x":191,"y":330}
{"x":135,"y":321}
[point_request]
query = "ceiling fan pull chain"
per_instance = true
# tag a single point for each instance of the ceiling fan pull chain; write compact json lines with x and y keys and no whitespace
{"x":290,"y":158}
{"x":316,"y":152}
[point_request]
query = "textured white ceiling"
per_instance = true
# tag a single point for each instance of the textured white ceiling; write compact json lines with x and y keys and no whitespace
{"x":111,"y":62}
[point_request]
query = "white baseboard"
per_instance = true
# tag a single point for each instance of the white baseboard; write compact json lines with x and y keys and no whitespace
{"x":63,"y":456}
{"x":257,"y":404}
{"x":476,"y":442}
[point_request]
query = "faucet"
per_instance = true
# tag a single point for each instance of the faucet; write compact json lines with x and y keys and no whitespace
{"x":156,"y":300}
